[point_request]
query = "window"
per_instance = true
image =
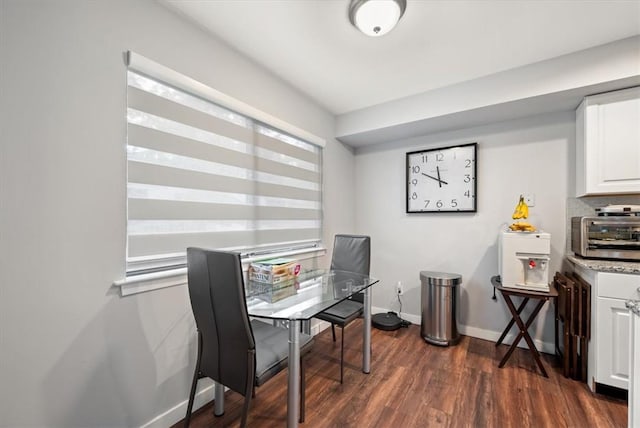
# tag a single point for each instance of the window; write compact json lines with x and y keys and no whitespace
{"x":202,"y":174}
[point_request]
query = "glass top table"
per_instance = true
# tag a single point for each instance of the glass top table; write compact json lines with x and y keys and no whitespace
{"x":312,"y":293}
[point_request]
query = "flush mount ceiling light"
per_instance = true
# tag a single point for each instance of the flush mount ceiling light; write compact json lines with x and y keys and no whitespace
{"x":376,"y":17}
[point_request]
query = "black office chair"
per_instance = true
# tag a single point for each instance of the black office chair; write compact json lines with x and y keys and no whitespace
{"x":350,"y":253}
{"x":232,"y":350}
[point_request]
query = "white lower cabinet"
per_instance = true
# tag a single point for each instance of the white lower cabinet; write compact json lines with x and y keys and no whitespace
{"x":608,"y":359}
{"x":612,"y":353}
{"x":634,"y":382}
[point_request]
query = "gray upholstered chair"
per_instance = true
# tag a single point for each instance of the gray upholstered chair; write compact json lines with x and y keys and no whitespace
{"x":232,"y":349}
{"x":350,"y":253}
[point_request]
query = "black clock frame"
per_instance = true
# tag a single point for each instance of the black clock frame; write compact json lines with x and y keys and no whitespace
{"x":475,"y":179}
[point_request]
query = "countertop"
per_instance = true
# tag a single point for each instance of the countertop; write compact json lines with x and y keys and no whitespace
{"x":614,"y":266}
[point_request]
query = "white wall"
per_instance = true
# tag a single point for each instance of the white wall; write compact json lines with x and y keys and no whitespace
{"x":72,"y":352}
{"x":532,"y":155}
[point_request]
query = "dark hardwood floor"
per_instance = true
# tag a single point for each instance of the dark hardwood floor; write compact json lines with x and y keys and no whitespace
{"x":414,"y":384}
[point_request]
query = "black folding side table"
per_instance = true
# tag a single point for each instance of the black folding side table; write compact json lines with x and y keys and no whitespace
{"x":541,"y":297}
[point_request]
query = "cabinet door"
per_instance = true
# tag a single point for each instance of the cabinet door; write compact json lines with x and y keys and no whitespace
{"x":634,"y":387}
{"x":612,"y":360}
{"x":608,"y":143}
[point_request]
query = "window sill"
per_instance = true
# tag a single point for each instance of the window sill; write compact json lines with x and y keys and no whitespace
{"x":155,"y":281}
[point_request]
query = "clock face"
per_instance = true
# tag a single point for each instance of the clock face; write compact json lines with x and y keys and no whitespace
{"x":442,"y":180}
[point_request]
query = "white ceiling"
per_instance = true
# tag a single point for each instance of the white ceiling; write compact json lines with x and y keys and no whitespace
{"x":437,"y":43}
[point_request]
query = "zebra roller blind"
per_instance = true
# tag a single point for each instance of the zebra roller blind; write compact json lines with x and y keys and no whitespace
{"x":200,"y":174}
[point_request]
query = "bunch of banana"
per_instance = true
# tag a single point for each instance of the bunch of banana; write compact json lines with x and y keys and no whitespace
{"x":521,"y":211}
{"x":522,"y":226}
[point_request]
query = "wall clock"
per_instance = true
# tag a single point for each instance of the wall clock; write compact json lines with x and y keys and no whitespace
{"x":442,"y":179}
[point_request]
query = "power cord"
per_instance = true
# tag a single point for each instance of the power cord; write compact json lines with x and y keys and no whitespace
{"x":494,"y":291}
{"x":403,"y":323}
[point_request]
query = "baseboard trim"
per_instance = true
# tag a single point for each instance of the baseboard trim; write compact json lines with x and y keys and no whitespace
{"x":177,"y":413}
{"x":479,"y":333}
{"x":546,"y":347}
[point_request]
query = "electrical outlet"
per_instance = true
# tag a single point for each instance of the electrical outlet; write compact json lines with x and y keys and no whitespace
{"x":530,"y":200}
{"x":399,"y":288}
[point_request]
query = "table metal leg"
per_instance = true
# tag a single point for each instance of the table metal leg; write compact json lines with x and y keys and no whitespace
{"x":305,"y":326}
{"x":218,"y":405}
{"x":293,"y":390}
{"x":366,"y":333}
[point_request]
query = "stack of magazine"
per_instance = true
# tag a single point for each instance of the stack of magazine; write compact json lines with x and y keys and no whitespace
{"x":273,"y":280}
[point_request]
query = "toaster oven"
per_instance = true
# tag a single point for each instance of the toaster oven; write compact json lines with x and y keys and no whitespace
{"x":606,"y":237}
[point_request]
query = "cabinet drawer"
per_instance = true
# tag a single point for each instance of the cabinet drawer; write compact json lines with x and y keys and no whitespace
{"x":618,"y":285}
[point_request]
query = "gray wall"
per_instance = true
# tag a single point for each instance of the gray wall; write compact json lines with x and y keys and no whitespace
{"x":72,"y":352}
{"x":533,"y":155}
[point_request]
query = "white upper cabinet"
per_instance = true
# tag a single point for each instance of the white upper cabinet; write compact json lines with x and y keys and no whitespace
{"x":608,"y":143}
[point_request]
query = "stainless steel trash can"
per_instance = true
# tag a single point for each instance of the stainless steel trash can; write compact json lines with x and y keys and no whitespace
{"x":439,"y":294}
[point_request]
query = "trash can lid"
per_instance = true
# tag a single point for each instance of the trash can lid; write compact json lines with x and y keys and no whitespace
{"x":440,"y":278}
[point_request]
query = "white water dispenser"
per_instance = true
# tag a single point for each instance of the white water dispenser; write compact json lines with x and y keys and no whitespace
{"x":524,"y":260}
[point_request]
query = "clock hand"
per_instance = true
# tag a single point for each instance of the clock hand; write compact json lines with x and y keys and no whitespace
{"x":434,"y":178}
{"x":439,"y":181}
